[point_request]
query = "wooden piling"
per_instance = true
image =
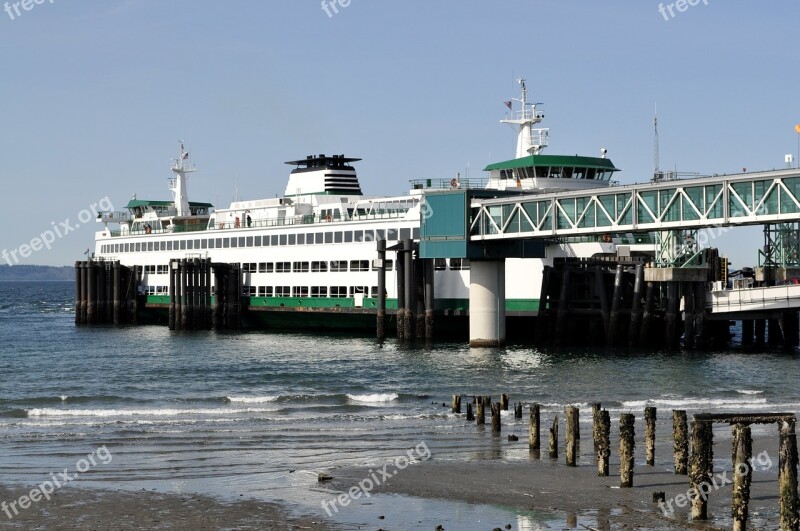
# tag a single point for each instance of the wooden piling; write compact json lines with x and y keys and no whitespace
{"x":100,"y":295}
{"x":554,"y":439}
{"x":634,"y":329}
{"x":518,"y":410}
{"x":596,"y":409}
{"x":626,"y":449}
{"x":496,"y":417}
{"x":688,"y":314}
{"x":562,"y":313}
{"x":429,"y":298}
{"x":742,"y":475}
{"x":616,"y":302}
{"x":116,"y":288}
{"x":411,"y":300}
{"x":701,"y":468}
{"x":787,"y":476}
{"x":604,"y":444}
{"x":504,"y":402}
{"x":470,"y":415}
{"x":401,"y":294}
{"x":480,"y":413}
{"x":456,"y":405}
{"x":534,"y":440}
{"x":542,"y":318}
{"x":680,"y":447}
{"x":760,"y":331}
{"x":78,"y":292}
{"x":650,"y":435}
{"x":748,"y":331}
{"x":182,"y":273}
{"x":91,"y":303}
{"x":487,"y":400}
{"x":600,"y":289}
{"x":671,"y":317}
{"x":647,"y":315}
{"x":84,"y":291}
{"x":571,"y":439}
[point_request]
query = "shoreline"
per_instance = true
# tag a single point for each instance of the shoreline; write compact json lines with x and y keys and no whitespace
{"x":88,"y":508}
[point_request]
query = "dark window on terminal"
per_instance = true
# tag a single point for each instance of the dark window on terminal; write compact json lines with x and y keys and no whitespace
{"x":234,"y":242}
{"x":197,"y":244}
{"x":348,"y":236}
{"x":301,"y":239}
{"x":309,"y":238}
{"x":249,"y":241}
{"x":273,"y":239}
{"x":211,"y":243}
{"x":283,"y":239}
{"x":204,"y":244}
{"x":127,"y":248}
{"x":169,"y":245}
{"x":138,"y":247}
{"x":380,"y":234}
{"x":391,"y":234}
{"x":292,"y":239}
{"x":328,"y":237}
{"x":318,"y":237}
{"x":242,"y":241}
{"x":405,"y":234}
{"x":369,"y":236}
{"x":258,"y":241}
{"x":226,"y":242}
{"x":359,"y":235}
{"x":149,"y":246}
{"x":219,"y":243}
{"x":262,"y":267}
{"x":189,"y":244}
{"x":337,"y":237}
{"x":415,"y":234}
{"x":359,"y":265}
{"x":183,"y":245}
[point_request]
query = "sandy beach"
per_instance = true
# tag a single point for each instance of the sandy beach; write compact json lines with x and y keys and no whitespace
{"x":77,"y":508}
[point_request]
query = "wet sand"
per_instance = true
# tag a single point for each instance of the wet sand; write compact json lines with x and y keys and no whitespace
{"x":77,"y":508}
{"x":578,"y":494}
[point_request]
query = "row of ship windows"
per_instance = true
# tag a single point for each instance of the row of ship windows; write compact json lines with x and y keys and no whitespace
{"x":336,"y":266}
{"x":340,"y":292}
{"x":310,"y":238}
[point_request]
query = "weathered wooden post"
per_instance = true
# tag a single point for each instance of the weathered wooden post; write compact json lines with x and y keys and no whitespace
{"x":518,"y":410}
{"x":787,"y":476}
{"x":456,"y":404}
{"x":571,"y":439}
{"x":596,"y":417}
{"x":480,"y":414}
{"x":380,"y":322}
{"x":680,"y":447}
{"x":496,"y":417}
{"x":554,"y":439}
{"x":78,"y":293}
{"x":742,"y":475}
{"x":626,"y":448}
{"x":411,"y":291}
{"x":636,"y":308}
{"x":401,"y":293}
{"x":429,"y":298}
{"x":470,"y":416}
{"x":701,"y":468}
{"x":534,"y":441}
{"x":616,"y":301}
{"x":650,"y":434}
{"x":487,"y":400}
{"x":171,"y":318}
{"x":504,"y":402}
{"x":91,"y":303}
{"x":604,"y":443}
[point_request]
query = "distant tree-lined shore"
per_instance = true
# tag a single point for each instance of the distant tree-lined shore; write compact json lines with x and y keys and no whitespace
{"x":36,"y":272}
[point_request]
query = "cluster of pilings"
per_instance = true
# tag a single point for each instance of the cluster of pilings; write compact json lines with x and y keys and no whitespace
{"x":105,"y":293}
{"x":697,"y":465}
{"x":190,"y":295}
{"x":774,"y":330}
{"x":602,"y":302}
{"x":414,"y":292}
{"x":599,"y":302}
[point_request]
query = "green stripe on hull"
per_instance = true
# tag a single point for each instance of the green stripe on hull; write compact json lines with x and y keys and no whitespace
{"x":512,"y":305}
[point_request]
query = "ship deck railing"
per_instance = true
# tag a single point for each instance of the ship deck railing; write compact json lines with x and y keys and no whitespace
{"x":265,"y":223}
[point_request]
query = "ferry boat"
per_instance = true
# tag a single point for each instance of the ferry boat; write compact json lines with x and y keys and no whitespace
{"x":308,"y":257}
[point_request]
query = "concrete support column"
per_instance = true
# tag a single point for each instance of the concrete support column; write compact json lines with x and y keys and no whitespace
{"x":487,"y":303}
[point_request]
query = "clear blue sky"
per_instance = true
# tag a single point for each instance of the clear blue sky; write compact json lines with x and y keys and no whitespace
{"x":95,"y":94}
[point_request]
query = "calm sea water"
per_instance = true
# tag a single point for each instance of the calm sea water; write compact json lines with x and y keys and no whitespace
{"x":260,"y":414}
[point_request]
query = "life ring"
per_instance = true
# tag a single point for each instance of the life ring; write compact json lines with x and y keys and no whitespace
{"x":607,"y":238}
{"x":328,"y":218}
{"x":453,"y":183}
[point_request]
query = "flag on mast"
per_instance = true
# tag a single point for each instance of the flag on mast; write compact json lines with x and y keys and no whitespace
{"x":507,"y":104}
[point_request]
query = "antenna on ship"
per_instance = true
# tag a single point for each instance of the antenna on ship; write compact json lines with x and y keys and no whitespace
{"x":178,"y":185}
{"x":656,"y":154}
{"x":529,"y":141}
